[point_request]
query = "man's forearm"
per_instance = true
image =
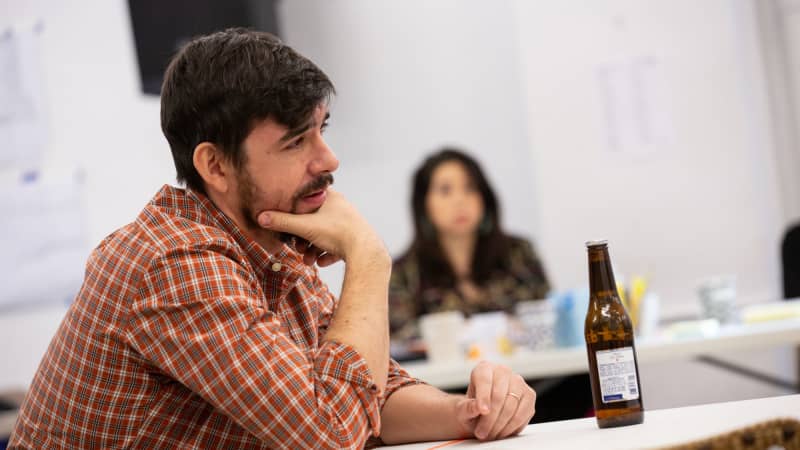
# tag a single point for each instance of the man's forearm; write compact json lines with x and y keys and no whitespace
{"x":361,"y":318}
{"x":420,"y":413}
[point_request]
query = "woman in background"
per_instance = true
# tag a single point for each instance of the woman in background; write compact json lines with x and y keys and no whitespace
{"x":461,"y":259}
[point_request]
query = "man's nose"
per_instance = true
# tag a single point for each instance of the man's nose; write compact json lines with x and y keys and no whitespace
{"x":324,"y":159}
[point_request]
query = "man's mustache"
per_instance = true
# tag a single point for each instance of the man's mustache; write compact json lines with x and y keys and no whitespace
{"x":319,"y":183}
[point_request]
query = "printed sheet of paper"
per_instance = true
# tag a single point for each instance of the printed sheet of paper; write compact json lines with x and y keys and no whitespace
{"x":23,"y":124}
{"x":44,"y":240}
{"x":635,"y":105}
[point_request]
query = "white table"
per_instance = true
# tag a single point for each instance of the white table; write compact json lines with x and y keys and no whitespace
{"x":660,"y":428}
{"x":566,"y":361}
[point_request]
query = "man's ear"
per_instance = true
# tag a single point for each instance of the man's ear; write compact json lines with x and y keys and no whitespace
{"x":212,"y":166}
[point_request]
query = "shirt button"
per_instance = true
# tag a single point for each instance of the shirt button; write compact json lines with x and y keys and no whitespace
{"x":276,"y":266}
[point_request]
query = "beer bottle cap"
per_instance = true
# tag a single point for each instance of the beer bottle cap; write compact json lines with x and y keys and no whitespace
{"x":596,"y":243}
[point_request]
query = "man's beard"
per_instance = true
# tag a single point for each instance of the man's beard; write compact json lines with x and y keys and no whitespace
{"x":248,"y":192}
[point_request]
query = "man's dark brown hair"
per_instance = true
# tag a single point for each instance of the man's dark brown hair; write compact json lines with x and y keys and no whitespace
{"x":217,"y":87}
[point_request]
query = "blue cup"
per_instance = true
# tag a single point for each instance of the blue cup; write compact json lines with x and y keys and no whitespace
{"x":571,"y":306}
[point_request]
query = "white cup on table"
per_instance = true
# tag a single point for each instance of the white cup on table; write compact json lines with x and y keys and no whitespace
{"x":718,"y":298}
{"x":441,"y":332}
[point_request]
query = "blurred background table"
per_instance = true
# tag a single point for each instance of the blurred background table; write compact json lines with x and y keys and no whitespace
{"x":567,"y":361}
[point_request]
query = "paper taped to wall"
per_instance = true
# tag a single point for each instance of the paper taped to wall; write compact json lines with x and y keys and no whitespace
{"x":44,"y":240}
{"x":636,"y":107}
{"x":23,"y":124}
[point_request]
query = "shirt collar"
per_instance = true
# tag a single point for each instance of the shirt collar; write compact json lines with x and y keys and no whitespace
{"x":197,"y":207}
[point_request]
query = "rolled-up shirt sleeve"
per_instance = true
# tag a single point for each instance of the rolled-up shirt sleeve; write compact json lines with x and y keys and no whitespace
{"x":201,"y":319}
{"x":397,"y":376}
{"x":398,"y":379}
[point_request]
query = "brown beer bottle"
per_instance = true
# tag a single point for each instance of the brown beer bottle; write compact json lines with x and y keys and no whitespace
{"x":613,"y":369}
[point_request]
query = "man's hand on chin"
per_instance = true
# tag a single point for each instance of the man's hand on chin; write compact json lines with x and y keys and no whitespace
{"x":336,"y":231}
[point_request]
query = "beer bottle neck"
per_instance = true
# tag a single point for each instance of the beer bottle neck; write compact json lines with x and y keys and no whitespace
{"x":601,"y":276}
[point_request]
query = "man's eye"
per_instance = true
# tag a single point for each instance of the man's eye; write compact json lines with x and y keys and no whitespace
{"x":296,"y":143}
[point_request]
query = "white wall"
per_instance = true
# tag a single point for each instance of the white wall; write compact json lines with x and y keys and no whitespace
{"x":704,"y":200}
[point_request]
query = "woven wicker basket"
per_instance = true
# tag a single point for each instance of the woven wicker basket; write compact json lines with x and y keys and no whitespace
{"x":781,"y":433}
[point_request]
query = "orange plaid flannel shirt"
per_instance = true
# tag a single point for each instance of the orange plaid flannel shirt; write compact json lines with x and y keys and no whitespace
{"x":187,"y":334}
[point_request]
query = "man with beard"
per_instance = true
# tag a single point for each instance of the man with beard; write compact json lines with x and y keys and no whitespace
{"x":204,"y":323}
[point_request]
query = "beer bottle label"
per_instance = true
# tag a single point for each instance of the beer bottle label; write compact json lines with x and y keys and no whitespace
{"x":617,"y":373}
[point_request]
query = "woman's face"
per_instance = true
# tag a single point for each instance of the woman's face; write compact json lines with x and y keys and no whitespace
{"x":453,"y":202}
